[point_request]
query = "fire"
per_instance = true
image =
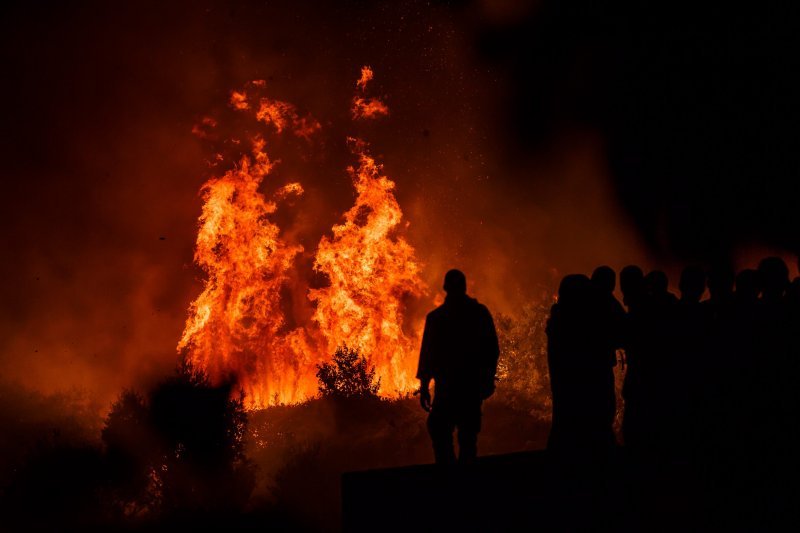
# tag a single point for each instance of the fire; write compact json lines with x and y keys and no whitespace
{"x":370,"y":272}
{"x":366,"y":77}
{"x":237,"y":320}
{"x":284,"y":115}
{"x":236,"y":329}
{"x":364,"y":107}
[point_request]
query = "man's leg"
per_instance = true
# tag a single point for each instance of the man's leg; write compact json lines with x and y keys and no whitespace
{"x":469,"y":425}
{"x":440,"y":428}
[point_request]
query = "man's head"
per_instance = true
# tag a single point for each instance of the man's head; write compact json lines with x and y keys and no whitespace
{"x":455,"y":282}
{"x":774,"y":277}
{"x":604,"y":278}
{"x":748,"y":284}
{"x":656,"y":283}
{"x":573,"y":290}
{"x":631,"y":283}
{"x":720,"y":282}
{"x":692,"y":284}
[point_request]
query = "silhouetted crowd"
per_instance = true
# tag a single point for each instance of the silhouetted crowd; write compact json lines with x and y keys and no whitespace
{"x":712,"y":382}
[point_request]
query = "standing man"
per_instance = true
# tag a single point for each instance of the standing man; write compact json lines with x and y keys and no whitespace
{"x":459,"y":353}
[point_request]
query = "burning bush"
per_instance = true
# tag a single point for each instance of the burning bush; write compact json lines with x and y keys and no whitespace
{"x":348,"y":375}
{"x":522,"y":370}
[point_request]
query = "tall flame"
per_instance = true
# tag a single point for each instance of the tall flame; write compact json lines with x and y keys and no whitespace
{"x":236,"y":326}
{"x":364,"y":107}
{"x":236,"y":329}
{"x":371,"y":270}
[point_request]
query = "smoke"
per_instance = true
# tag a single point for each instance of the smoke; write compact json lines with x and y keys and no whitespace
{"x":103,"y":172}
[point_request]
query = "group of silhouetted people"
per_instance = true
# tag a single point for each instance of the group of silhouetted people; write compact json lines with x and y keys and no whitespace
{"x":705,"y":380}
{"x":710,"y":392}
{"x":713,"y":381}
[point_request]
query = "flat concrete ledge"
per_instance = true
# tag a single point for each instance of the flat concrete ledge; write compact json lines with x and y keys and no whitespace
{"x":496,"y":493}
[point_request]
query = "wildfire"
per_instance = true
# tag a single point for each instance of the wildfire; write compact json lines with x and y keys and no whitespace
{"x":236,"y":329}
{"x":370,"y":274}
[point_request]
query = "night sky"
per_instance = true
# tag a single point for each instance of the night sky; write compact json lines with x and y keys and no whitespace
{"x":527,"y":140}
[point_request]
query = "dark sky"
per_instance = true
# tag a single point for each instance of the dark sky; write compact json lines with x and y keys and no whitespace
{"x":698,"y":108}
{"x":527,"y":140}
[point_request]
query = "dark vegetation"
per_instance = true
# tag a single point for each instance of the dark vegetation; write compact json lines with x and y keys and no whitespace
{"x":348,"y":375}
{"x":186,"y":452}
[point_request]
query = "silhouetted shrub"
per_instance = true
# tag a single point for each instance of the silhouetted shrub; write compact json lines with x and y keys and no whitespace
{"x":347,"y":376}
{"x":179,"y":454}
{"x":131,"y":455}
{"x":202,"y":467}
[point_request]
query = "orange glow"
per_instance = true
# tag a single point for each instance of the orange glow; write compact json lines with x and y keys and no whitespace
{"x":366,"y":76}
{"x":283,"y":115}
{"x":237,"y":329}
{"x":368,"y":108}
{"x":371,"y":271}
{"x":239,"y":100}
{"x":237,"y":319}
{"x":363,"y":107}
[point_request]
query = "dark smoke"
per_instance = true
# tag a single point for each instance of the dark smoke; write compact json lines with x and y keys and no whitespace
{"x":696,"y":105}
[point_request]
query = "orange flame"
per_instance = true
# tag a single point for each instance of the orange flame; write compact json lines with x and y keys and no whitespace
{"x":367,"y":108}
{"x":366,"y":76}
{"x":371,"y":271}
{"x":283,"y":115}
{"x":236,"y":328}
{"x":364,"y":108}
{"x":237,"y":319}
{"x":239,"y":100}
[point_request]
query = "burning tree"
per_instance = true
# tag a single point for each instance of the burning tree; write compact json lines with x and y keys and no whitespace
{"x":238,"y":319}
{"x":237,"y":328}
{"x":348,"y":375}
{"x":370,"y":270}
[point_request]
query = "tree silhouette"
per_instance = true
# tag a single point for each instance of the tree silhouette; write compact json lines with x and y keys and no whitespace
{"x":201,"y":429}
{"x":131,"y":453}
{"x":348,"y":375}
{"x":179,"y":453}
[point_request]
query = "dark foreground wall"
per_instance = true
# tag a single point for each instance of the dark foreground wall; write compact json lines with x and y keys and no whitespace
{"x":551,"y":493}
{"x":498,"y":492}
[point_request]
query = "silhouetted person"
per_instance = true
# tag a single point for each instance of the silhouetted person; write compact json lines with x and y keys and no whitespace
{"x":689,"y":374}
{"x":578,"y":362}
{"x":655,"y":330}
{"x":748,"y":287}
{"x":692,"y":285}
{"x":657,"y":288}
{"x":720,"y":286}
{"x":631,"y":282}
{"x":793,"y":325}
{"x":774,"y":357}
{"x":717,"y":369}
{"x":743,"y":361}
{"x":775,"y":383}
{"x":610,"y":321}
{"x":774,"y":276}
{"x":793,"y":294}
{"x":459,"y":353}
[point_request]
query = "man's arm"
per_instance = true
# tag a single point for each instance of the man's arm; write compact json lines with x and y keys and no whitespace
{"x":425,"y":366}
